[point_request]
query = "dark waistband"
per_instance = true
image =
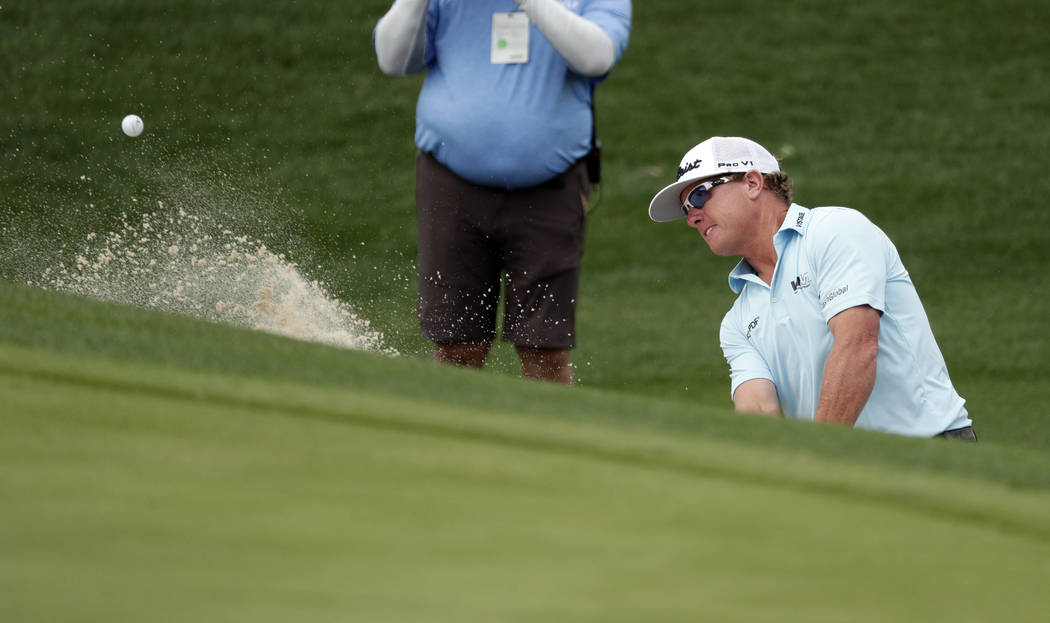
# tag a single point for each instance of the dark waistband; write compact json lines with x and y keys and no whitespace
{"x":960,"y":434}
{"x":556,"y":183}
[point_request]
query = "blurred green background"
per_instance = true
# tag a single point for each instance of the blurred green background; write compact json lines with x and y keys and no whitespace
{"x":930,"y":117}
{"x":157,"y":467}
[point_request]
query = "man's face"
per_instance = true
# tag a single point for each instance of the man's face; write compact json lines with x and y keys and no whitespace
{"x":723,"y":220}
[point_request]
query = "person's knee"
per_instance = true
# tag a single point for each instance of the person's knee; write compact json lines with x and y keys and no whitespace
{"x":549,"y":364}
{"x":466,"y":354}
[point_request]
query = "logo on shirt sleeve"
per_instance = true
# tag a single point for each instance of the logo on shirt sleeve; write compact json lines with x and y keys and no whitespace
{"x":751,"y":327}
{"x":831,"y":296}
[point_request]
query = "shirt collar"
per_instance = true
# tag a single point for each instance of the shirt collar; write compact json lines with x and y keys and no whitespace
{"x":797,"y":219}
{"x":742,"y":273}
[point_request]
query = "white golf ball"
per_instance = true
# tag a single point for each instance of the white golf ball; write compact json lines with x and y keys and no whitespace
{"x":132,"y":125}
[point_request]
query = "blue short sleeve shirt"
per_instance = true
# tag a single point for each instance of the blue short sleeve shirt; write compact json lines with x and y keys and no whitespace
{"x":831,"y":259}
{"x":507,"y":126}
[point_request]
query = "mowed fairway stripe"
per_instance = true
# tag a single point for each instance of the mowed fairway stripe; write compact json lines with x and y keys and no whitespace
{"x":184,"y":507}
{"x":1025,"y":512}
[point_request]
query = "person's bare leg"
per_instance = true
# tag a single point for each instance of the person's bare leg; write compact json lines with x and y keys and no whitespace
{"x":547,"y":364}
{"x":466,"y":354}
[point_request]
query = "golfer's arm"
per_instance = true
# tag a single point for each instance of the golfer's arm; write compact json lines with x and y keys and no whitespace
{"x":400,"y":38}
{"x":849,"y":373}
{"x":587,"y":49}
{"x":757,"y":396}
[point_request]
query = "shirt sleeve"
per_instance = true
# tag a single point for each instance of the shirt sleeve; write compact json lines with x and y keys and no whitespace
{"x":400,"y":38}
{"x":745,"y":362}
{"x":848,"y":253}
{"x":587,"y":48}
{"x":613,"y":17}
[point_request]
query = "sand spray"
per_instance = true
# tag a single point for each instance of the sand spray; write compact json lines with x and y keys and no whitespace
{"x":190,"y":252}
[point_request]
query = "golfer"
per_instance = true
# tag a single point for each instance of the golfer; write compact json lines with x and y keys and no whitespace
{"x":827,"y":325}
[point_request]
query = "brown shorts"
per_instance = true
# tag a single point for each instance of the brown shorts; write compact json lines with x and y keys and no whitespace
{"x":473,"y":239}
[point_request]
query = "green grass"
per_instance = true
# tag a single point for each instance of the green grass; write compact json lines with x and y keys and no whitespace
{"x":925,"y":116}
{"x":155,"y":466}
{"x":393,"y":489}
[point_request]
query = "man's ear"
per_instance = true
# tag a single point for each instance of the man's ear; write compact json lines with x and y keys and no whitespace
{"x":753,"y":183}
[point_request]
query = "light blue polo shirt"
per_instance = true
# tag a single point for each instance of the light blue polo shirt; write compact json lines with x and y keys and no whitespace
{"x":507,"y":126}
{"x":831,"y":259}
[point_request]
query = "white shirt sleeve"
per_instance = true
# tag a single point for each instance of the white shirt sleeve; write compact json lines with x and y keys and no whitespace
{"x":587,"y":49}
{"x":400,"y":38}
{"x":745,"y":362}
{"x":849,"y":254}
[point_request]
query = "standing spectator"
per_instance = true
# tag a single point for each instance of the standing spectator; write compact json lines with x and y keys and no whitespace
{"x":504,"y":130}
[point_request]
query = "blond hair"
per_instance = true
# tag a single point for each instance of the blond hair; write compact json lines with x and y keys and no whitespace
{"x":779,"y":184}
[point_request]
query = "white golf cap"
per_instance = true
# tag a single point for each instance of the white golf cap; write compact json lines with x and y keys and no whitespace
{"x":716,"y":156}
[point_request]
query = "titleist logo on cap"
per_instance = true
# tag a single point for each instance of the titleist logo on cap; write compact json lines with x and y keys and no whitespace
{"x":682,"y":170}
